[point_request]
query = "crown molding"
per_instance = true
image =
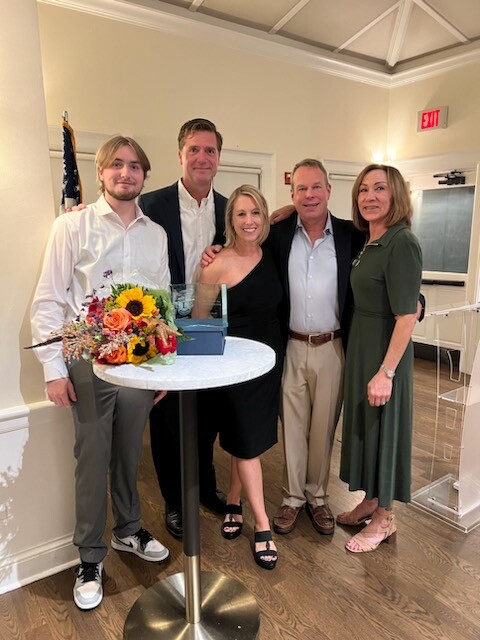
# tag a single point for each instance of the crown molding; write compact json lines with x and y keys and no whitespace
{"x":435,"y":65}
{"x":153,"y":14}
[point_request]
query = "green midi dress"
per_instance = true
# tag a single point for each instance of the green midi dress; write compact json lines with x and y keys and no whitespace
{"x":377,"y":441}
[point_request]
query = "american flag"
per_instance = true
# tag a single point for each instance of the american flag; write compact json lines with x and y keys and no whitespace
{"x":72,"y":187}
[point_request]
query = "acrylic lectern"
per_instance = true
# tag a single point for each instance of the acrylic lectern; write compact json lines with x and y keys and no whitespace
{"x":453,"y":491}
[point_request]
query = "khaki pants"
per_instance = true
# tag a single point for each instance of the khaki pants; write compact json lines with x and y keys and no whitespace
{"x":312,"y":393}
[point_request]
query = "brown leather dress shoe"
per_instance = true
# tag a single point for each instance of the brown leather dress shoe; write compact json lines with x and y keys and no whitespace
{"x":322,"y":518}
{"x":285,"y":519}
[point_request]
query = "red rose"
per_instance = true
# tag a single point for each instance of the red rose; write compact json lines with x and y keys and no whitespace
{"x":166,"y":347}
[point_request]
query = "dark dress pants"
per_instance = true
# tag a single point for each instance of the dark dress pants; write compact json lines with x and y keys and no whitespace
{"x":165,"y":441}
{"x":109,"y":424}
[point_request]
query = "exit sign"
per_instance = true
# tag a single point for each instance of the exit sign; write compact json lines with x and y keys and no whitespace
{"x":432,"y":119}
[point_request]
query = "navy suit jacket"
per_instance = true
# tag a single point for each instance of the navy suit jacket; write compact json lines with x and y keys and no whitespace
{"x":163,"y":207}
{"x":348,"y":242}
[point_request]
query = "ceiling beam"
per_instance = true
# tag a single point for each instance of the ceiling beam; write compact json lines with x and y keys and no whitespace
{"x":288,"y":16}
{"x":195,"y":5}
{"x":441,"y":20}
{"x":399,"y":32}
{"x":367,"y":27}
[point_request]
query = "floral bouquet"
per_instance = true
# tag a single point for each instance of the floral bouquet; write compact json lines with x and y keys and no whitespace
{"x":133,"y":324}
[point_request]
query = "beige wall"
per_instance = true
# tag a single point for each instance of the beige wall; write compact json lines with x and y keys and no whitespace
{"x":26,"y":199}
{"x":113,"y":77}
{"x":460,"y":91}
{"x":36,"y":461}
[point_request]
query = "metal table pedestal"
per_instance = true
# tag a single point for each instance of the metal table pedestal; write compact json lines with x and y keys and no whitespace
{"x":194,"y":605}
{"x":229,"y":611}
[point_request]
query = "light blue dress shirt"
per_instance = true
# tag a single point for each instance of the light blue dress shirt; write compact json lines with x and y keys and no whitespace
{"x":312,"y":274}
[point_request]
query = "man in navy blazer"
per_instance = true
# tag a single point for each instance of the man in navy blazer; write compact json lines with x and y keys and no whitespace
{"x":193,"y":216}
{"x":163,"y":207}
{"x":348,"y":242}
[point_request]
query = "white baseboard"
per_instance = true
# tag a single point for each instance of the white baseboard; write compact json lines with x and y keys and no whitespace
{"x":37,"y":563}
{"x":36,"y":478}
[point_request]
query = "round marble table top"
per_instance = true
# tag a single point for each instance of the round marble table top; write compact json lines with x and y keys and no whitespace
{"x":242,"y":360}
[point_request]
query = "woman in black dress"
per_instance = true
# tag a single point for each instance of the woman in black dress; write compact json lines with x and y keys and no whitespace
{"x":249,"y":411}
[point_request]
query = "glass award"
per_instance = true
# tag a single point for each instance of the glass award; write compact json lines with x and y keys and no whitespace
{"x":201,"y":313}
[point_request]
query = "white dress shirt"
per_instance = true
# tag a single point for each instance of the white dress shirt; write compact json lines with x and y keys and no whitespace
{"x":83,"y":245}
{"x":312,"y":274}
{"x":198,"y":228}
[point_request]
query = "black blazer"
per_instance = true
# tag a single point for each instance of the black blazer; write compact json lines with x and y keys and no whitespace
{"x":348,"y":242}
{"x":163,"y":207}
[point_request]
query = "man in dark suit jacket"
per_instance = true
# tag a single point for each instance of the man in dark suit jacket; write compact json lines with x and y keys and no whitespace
{"x":314,"y":252}
{"x":348,"y":242}
{"x":193,"y":216}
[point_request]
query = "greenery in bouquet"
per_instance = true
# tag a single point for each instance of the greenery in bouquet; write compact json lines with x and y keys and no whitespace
{"x":133,"y":324}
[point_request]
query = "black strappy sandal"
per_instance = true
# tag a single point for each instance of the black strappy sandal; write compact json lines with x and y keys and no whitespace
{"x":265,"y":536}
{"x":232,"y":510}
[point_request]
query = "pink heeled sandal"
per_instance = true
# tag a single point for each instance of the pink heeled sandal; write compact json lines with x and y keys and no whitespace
{"x":366,"y":541}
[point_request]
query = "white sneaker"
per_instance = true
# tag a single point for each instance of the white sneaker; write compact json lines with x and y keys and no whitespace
{"x":88,"y":589}
{"x":142,"y":544}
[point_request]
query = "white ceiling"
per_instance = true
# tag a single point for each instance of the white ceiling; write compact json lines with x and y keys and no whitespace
{"x":384,"y":42}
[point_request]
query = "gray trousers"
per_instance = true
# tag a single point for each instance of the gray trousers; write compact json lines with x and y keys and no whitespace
{"x":109,"y":424}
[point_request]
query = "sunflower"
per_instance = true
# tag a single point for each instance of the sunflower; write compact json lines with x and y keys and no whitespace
{"x":137,"y":302}
{"x":140,"y":350}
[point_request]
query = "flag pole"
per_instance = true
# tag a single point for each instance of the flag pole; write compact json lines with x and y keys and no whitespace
{"x":71,"y":186}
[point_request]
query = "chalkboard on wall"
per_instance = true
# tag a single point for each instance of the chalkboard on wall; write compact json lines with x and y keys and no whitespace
{"x":442,"y":221}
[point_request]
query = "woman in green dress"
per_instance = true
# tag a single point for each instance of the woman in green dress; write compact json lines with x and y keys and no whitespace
{"x":377,"y":423}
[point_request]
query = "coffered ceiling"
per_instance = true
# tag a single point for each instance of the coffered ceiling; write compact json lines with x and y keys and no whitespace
{"x":384,"y":42}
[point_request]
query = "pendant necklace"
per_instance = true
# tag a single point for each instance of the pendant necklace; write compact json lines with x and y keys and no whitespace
{"x":356,"y":262}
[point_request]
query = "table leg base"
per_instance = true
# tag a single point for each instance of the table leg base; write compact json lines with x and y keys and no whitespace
{"x":228,"y":611}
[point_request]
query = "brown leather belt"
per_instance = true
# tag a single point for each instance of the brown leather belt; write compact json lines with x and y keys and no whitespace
{"x":315,"y":338}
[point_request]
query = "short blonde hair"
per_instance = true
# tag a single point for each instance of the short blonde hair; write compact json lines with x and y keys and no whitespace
{"x":259,"y":199}
{"x":401,"y":209}
{"x":108,"y":152}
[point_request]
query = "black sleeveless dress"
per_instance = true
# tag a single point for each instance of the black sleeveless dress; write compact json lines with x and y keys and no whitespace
{"x":248,"y":412}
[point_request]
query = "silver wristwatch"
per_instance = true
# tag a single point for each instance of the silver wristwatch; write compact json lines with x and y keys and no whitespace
{"x":388,"y":372}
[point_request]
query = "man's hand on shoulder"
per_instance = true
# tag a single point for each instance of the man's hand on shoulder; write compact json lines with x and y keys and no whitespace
{"x":77,"y":207}
{"x":208,"y":255}
{"x":281,"y":214}
{"x":61,"y":392}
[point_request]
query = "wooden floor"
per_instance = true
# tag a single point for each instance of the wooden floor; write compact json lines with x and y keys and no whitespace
{"x":426,"y":585}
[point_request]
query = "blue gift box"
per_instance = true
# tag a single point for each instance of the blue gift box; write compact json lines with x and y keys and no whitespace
{"x":207,"y":337}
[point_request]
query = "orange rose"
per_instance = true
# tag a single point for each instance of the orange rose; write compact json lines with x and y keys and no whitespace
{"x":117,"y":357}
{"x":117,"y":320}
